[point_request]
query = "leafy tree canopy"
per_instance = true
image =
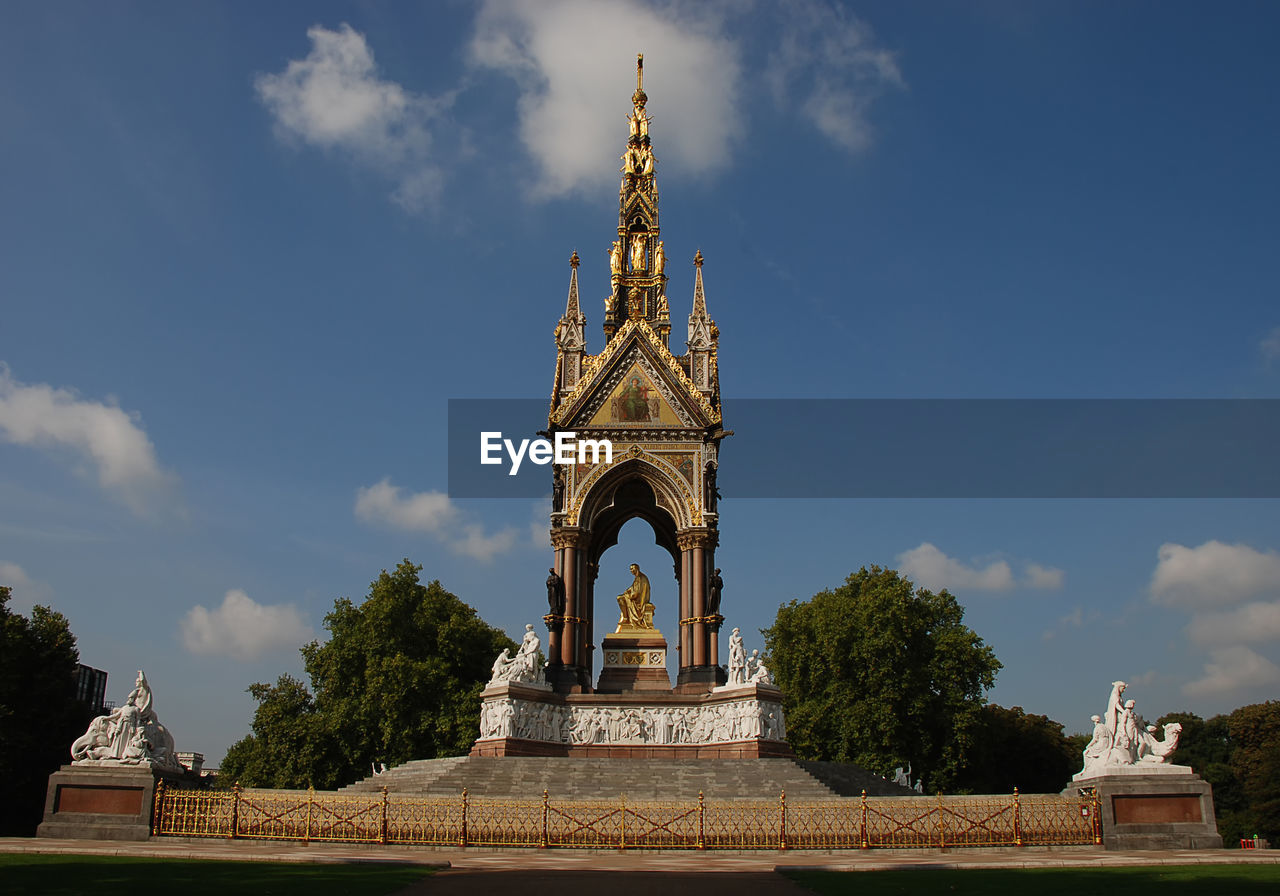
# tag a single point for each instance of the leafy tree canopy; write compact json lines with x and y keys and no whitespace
{"x":1013,"y":748}
{"x":882,"y":674}
{"x":39,"y":713}
{"x":1239,"y":754}
{"x":398,"y":679}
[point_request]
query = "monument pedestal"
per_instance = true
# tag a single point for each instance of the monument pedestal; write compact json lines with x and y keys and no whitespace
{"x":1154,"y":807}
{"x":103,"y":802}
{"x":745,"y":722}
{"x":634,"y":662}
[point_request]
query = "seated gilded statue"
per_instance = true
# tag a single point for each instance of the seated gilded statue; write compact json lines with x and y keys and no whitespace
{"x":636,"y":610}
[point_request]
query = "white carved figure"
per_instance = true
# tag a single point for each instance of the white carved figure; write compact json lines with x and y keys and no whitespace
{"x":502,"y":666}
{"x":530,"y":668}
{"x":901,"y":777}
{"x":1100,"y":745}
{"x":524,"y":666}
{"x":1154,"y":752}
{"x":130,"y":734}
{"x":919,"y":788}
{"x":1122,"y":739}
{"x":757,"y":673}
{"x":733,"y":720}
{"x":737,"y":659}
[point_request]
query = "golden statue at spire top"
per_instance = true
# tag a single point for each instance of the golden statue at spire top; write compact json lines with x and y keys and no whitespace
{"x":639,"y":97}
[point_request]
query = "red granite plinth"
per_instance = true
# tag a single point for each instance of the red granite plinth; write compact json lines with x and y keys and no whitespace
{"x":633,"y":663}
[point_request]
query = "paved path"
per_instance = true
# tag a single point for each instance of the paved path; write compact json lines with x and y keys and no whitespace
{"x":526,"y":861}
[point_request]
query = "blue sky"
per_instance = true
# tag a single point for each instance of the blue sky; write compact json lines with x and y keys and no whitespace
{"x":248,"y":254}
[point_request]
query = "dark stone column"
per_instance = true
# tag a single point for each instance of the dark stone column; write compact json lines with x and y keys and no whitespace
{"x":570,"y":675}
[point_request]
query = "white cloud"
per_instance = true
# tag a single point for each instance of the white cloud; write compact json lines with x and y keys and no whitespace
{"x":569,"y":59}
{"x":1270,"y":346}
{"x":242,"y":628}
{"x":1255,"y":622}
{"x":433,"y":513}
{"x":930,"y":567}
{"x":335,"y":99}
{"x":27,"y":592}
{"x":1213,"y":574}
{"x":828,"y":67}
{"x":1046,"y":577}
{"x":1076,"y":619}
{"x":111,"y":439}
{"x":1233,"y":670}
{"x":1220,"y":584}
{"x":421,"y":512}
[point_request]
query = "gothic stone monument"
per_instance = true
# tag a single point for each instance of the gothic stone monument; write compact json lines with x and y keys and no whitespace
{"x":661,"y":412}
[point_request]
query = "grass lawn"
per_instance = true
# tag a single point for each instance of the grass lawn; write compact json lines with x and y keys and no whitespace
{"x":1171,"y":880}
{"x":76,"y":875}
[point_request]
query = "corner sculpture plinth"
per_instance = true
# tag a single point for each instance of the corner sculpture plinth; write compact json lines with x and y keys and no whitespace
{"x":107,"y":791}
{"x":1147,"y":802}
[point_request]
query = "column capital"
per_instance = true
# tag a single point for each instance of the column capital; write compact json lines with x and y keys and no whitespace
{"x":697,"y":538}
{"x":568,"y":537}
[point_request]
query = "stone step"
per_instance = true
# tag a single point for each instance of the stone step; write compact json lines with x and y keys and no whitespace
{"x":513,"y":777}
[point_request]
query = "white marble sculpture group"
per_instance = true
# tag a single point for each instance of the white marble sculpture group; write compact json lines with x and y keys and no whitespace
{"x":1123,"y":740}
{"x":734,"y":720}
{"x":129,"y":735}
{"x":524,"y":666}
{"x":745,"y":669}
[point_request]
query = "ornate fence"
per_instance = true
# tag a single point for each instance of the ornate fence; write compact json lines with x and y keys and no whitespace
{"x":901,"y":822}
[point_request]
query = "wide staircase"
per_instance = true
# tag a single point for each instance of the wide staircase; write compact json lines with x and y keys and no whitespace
{"x":576,"y":779}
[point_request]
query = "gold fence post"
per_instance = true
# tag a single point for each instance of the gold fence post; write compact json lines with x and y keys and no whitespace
{"x":306,"y":832}
{"x":862,"y":832}
{"x":622,"y":842}
{"x":782,"y":830}
{"x":157,"y":807}
{"x":382,"y":838}
{"x":546,"y":798}
{"x":235,"y":810}
{"x":702,"y":822}
{"x":1017,"y":819}
{"x":1097,"y":819}
{"x":942,"y":834}
{"x":462,"y":838}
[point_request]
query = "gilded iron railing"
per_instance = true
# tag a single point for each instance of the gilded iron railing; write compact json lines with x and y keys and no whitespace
{"x":941,"y":822}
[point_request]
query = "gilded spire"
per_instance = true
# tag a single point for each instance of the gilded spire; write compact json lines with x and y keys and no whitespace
{"x":638,"y":98}
{"x":571,"y":310}
{"x":637,"y":259}
{"x":699,"y":295}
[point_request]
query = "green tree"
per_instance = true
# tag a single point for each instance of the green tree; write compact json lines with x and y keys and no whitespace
{"x":39,"y":713}
{"x":1012,"y":748}
{"x":1254,"y":732}
{"x":399,"y":679}
{"x":882,"y":674}
{"x":290,"y":746}
{"x":1206,"y":747}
